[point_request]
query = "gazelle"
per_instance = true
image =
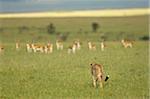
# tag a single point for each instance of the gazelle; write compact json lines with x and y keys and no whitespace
{"x":78,"y":44}
{"x":48,"y":48}
{"x":59,"y":45}
{"x":103,"y":46}
{"x":98,"y":74}
{"x":72,"y":49}
{"x":91,"y":46}
{"x":29,"y":47}
{"x":38,"y":48}
{"x":126,"y":43}
{"x":17,"y":46}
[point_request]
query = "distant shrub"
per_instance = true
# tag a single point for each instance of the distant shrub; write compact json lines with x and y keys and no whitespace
{"x":120,"y":35}
{"x":103,"y":36}
{"x":145,"y":38}
{"x":62,"y":37}
{"x":23,"y":29}
{"x":51,"y":29}
{"x":95,"y":26}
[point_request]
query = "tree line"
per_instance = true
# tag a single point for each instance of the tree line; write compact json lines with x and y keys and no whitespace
{"x":51,"y":28}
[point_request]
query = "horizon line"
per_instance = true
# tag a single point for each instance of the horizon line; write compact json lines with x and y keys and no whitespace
{"x":80,"y":13}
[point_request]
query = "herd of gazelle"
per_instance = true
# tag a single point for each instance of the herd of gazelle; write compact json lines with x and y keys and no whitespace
{"x":31,"y":47}
{"x":97,"y":71}
{"x":39,"y":48}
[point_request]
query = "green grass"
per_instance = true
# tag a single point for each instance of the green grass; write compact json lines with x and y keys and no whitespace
{"x":112,"y":28}
{"x":59,"y":75}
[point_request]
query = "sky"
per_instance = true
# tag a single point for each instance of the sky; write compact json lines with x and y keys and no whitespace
{"x":60,"y":5}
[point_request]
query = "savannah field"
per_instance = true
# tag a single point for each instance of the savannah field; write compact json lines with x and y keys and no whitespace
{"x":60,"y":75}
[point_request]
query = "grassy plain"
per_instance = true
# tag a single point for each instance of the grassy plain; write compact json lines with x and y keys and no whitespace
{"x":61,"y":76}
{"x":114,"y":28}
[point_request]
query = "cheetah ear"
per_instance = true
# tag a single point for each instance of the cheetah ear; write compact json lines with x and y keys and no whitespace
{"x":91,"y":64}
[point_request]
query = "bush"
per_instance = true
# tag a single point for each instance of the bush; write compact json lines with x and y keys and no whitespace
{"x":145,"y":38}
{"x":51,"y":28}
{"x":63,"y":37}
{"x":23,"y":29}
{"x":95,"y":26}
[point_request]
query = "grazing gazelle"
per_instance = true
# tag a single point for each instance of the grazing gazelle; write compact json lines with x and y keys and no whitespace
{"x":102,"y":46}
{"x":72,"y":49}
{"x":98,"y":74}
{"x":29,"y":47}
{"x":91,"y":46}
{"x":126,"y":43}
{"x":1,"y":48}
{"x":59,"y":45}
{"x":78,"y":44}
{"x":17,"y":46}
{"x":48,"y":48}
{"x":38,"y":48}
